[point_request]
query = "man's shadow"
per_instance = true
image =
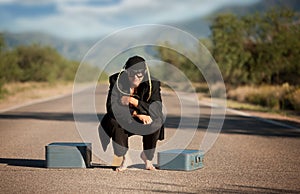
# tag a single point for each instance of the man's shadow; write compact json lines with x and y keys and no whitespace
{"x":104,"y":138}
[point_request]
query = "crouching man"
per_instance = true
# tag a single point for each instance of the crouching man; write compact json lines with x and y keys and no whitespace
{"x":134,"y":107}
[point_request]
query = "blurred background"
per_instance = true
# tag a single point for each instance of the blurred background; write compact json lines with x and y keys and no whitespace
{"x":255,"y":43}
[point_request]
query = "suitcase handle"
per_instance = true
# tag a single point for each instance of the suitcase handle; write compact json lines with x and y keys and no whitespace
{"x":198,"y":159}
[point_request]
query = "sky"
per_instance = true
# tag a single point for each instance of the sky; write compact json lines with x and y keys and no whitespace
{"x":86,"y":19}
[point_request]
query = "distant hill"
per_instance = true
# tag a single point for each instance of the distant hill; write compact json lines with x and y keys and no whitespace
{"x":74,"y":50}
{"x":262,"y":6}
{"x":199,"y":27}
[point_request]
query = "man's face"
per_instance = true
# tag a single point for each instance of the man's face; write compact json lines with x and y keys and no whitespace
{"x":135,"y":76}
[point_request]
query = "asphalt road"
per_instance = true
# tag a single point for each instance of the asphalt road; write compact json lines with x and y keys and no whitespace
{"x":250,"y":154}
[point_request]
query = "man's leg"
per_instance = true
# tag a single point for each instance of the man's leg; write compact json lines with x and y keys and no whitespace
{"x":119,"y":137}
{"x":149,"y":145}
{"x":120,"y":144}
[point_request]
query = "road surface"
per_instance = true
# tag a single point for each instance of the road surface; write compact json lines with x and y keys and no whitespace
{"x":250,"y":154}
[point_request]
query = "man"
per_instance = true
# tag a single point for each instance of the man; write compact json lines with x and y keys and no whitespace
{"x":134,"y":107}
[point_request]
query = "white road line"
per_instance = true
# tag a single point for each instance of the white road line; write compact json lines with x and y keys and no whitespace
{"x":41,"y":101}
{"x":262,"y":119}
{"x":32,"y":102}
{"x":251,"y":116}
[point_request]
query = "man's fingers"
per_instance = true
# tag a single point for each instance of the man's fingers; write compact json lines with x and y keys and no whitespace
{"x":147,"y":120}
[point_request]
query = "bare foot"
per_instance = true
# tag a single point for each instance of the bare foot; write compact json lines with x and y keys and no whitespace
{"x":121,"y":169}
{"x":148,"y":163}
{"x":123,"y":166}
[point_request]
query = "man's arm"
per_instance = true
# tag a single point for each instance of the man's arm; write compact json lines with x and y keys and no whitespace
{"x":113,"y":104}
{"x":154,"y":106}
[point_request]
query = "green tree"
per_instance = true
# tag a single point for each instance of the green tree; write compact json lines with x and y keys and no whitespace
{"x":180,"y":61}
{"x":258,"y":48}
{"x":2,"y":80}
{"x":9,"y":69}
{"x":275,"y":46}
{"x":228,"y":37}
{"x":41,"y":64}
{"x":2,"y":43}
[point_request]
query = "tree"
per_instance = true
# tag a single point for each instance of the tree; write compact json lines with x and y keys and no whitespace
{"x":2,"y":43}
{"x":37,"y":63}
{"x":227,"y":35}
{"x":258,"y":48}
{"x":180,"y":61}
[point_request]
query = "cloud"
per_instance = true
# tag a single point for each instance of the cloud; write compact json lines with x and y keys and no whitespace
{"x":89,"y":19}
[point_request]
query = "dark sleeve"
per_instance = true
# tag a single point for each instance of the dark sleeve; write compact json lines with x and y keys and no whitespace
{"x":113,"y":104}
{"x":153,"y":107}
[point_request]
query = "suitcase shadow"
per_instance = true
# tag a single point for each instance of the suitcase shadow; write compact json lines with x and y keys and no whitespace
{"x":34,"y":163}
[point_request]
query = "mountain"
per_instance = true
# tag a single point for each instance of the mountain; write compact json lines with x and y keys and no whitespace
{"x":74,"y":50}
{"x":262,"y":6}
{"x":199,"y":27}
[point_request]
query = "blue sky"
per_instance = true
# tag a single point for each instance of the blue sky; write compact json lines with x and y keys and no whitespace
{"x":76,"y":19}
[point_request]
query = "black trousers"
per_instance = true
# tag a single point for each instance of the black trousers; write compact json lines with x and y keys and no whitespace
{"x":120,"y":138}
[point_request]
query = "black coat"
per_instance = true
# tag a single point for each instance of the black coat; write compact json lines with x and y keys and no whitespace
{"x":121,"y":113}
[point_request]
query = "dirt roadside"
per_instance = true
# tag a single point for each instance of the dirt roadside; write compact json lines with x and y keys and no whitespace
{"x":27,"y":93}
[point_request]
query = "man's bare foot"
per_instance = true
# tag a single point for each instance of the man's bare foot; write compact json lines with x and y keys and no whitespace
{"x":123,"y":166}
{"x":148,"y":163}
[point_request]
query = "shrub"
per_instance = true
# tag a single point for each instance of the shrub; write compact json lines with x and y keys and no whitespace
{"x":218,"y":90}
{"x":274,"y":97}
{"x":239,"y":94}
{"x":201,"y":88}
{"x":264,"y":98}
{"x":294,"y":99}
{"x":40,"y":64}
{"x":2,"y":90}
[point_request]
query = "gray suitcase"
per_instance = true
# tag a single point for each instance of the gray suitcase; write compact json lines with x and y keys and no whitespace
{"x":68,"y":155}
{"x":180,"y":159}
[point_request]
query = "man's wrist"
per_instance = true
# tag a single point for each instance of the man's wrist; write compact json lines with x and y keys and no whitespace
{"x":133,"y":101}
{"x":134,"y":113}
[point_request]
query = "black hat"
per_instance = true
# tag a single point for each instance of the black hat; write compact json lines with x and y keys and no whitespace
{"x":135,"y":62}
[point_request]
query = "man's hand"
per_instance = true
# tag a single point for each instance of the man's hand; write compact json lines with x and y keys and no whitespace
{"x":146,"y":119}
{"x":126,"y":100}
{"x":133,"y":101}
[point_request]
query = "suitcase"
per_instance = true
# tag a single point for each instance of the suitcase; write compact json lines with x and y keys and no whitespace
{"x":180,"y":159}
{"x":68,"y":155}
